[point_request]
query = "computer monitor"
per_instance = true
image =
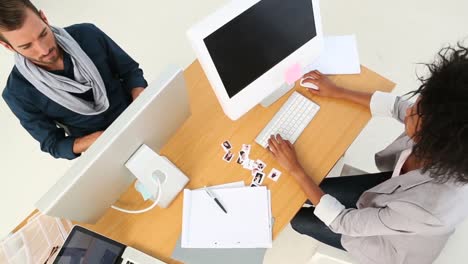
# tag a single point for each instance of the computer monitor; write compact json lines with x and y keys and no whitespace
{"x":99,"y":177}
{"x":247,"y":47}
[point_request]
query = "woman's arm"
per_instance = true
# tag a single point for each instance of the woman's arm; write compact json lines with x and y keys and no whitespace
{"x":397,"y":217}
{"x":283,"y":151}
{"x":328,"y":89}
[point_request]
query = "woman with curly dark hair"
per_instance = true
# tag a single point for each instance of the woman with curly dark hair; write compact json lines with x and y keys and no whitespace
{"x":406,"y":213}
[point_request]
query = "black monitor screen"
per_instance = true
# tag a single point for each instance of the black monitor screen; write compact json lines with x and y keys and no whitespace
{"x":85,"y":246}
{"x":255,"y":41}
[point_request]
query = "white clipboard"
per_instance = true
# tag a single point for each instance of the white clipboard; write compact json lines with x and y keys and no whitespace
{"x":246,"y":225}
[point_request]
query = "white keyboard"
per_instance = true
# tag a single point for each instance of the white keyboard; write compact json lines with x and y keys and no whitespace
{"x":290,"y":120}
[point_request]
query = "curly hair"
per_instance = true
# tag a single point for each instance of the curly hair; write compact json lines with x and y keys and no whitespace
{"x":442,"y":137}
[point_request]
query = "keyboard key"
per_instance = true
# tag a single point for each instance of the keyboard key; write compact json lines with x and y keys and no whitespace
{"x":292,"y":118}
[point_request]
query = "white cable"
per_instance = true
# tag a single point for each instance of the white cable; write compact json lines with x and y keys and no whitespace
{"x":146,"y":209}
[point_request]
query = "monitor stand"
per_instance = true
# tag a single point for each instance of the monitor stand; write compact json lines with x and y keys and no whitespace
{"x":147,"y":166}
{"x":276,"y":94}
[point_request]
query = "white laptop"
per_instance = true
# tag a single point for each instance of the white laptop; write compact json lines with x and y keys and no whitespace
{"x":86,"y":246}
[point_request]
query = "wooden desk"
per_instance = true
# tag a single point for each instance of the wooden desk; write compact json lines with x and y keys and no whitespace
{"x":196,"y":150}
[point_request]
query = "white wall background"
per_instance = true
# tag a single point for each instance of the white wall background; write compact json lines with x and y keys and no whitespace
{"x":392,"y":37}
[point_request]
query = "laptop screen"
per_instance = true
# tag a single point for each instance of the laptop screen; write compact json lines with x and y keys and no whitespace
{"x":84,"y":246}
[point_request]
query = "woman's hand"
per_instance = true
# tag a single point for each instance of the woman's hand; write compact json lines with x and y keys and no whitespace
{"x":284,"y":153}
{"x":326,"y":87}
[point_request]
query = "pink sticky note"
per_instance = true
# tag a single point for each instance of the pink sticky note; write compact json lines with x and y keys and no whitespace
{"x":293,"y":73}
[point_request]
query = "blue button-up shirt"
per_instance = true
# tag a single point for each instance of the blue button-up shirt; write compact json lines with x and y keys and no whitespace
{"x":40,"y":115}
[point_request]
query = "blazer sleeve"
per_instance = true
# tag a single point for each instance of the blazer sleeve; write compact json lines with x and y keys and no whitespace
{"x":389,"y":105}
{"x":398,"y":217}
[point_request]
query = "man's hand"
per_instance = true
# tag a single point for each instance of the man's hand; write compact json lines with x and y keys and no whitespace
{"x":284,"y":153}
{"x":136,"y":92}
{"x":83,"y":143}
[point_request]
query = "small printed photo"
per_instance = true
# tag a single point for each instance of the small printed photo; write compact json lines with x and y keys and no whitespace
{"x":260,"y":165}
{"x":248,"y":164}
{"x":253,"y":185}
{"x":254,"y":171}
{"x":242,"y":157}
{"x":274,"y":174}
{"x":246,"y":148}
{"x":226,"y":145}
{"x":258,"y":178}
{"x":228,"y":156}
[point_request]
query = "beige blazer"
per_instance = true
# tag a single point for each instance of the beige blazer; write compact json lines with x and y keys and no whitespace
{"x":406,"y":219}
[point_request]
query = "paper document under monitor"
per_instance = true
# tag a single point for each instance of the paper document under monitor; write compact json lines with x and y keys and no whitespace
{"x":246,"y":225}
{"x":339,"y":56}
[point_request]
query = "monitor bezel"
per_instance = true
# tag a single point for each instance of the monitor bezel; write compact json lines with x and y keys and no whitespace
{"x":266,"y":84}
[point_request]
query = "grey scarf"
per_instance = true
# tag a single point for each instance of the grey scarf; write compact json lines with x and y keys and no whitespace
{"x":58,"y":88}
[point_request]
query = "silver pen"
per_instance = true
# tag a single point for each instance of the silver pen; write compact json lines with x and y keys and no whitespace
{"x":208,"y":191}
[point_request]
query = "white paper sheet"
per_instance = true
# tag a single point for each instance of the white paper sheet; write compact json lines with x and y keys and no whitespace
{"x":340,"y":56}
{"x":246,"y":225}
{"x":227,"y":185}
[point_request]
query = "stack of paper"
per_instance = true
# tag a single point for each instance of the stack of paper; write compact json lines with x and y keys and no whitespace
{"x":339,"y":56}
{"x":246,"y":225}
